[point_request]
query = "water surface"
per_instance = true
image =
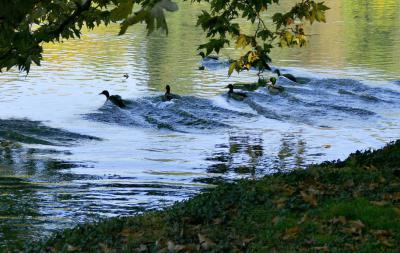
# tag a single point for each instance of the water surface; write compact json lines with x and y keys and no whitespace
{"x":67,"y":157}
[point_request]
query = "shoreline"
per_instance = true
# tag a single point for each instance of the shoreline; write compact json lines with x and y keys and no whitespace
{"x":341,"y":206}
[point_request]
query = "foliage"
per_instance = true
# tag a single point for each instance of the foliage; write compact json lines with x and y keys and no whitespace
{"x":26,"y":25}
{"x":349,"y":206}
{"x":220,"y":23}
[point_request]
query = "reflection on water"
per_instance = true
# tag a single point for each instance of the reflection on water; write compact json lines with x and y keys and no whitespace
{"x":68,"y":157}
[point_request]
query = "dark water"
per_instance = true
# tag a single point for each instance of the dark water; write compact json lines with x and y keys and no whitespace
{"x":67,"y":157}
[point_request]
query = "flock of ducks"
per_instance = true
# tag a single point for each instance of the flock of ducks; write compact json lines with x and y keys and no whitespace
{"x":239,"y":96}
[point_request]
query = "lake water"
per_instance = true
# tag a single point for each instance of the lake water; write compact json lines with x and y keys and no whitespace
{"x":68,"y":157}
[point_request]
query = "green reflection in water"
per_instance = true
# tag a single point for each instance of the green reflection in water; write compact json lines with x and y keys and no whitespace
{"x":359,"y":34}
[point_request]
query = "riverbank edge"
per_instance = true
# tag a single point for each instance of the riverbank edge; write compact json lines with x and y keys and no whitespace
{"x":341,"y":206}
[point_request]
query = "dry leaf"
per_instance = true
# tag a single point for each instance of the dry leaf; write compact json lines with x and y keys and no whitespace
{"x":171,"y":246}
{"x":349,"y":183}
{"x":340,"y":219}
{"x":106,"y":249}
{"x":309,"y":198}
{"x":373,"y":186}
{"x":370,"y":168}
{"x":205,"y":243}
{"x":275,"y":220}
{"x":386,"y":243}
{"x":396,"y":196}
{"x":142,"y":248}
{"x":382,"y":179}
{"x":350,"y":246}
{"x":322,"y":248}
{"x":357,"y":224}
{"x":379,"y":203}
{"x":217,"y":221}
{"x":280,"y":202}
{"x":71,"y":248}
{"x":288,"y":189}
{"x":381,"y":232}
{"x":355,"y":228}
{"x":303,"y":219}
{"x":291,"y":232}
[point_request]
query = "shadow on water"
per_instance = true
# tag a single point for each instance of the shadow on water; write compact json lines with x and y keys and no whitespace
{"x":34,"y":132}
{"x":41,"y":193}
{"x":28,"y":174}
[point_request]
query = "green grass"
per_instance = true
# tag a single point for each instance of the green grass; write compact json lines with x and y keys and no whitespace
{"x":343,"y":206}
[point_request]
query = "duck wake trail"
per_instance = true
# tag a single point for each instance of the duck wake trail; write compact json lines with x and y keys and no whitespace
{"x":187,"y":114}
{"x":333,"y":102}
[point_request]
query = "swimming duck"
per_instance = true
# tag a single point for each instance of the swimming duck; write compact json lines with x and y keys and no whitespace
{"x":168,"y":95}
{"x":115,"y":99}
{"x":235,"y":95}
{"x":288,"y":76}
{"x":274,"y":89}
{"x":126,"y":75}
{"x":209,"y":57}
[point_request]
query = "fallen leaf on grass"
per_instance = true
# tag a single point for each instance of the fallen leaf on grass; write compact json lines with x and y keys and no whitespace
{"x":350,"y":246}
{"x":291,"y":232}
{"x":309,"y":198}
{"x":322,"y":248}
{"x":205,"y":243}
{"x":340,"y":219}
{"x":175,"y":248}
{"x":280,"y":202}
{"x":303,"y":219}
{"x":385,"y":242}
{"x":355,"y":228}
{"x":349,"y":183}
{"x":381,"y":232}
{"x":373,"y":186}
{"x":288,"y":189}
{"x":128,"y":232}
{"x":381,"y":179}
{"x":71,"y":248}
{"x":382,"y":236}
{"x":275,"y":220}
{"x":379,"y":203}
{"x":370,"y":168}
{"x":142,"y":248}
{"x":217,"y":221}
{"x":396,"y":196}
{"x":246,"y":241}
{"x":357,"y":224}
{"x":106,"y":249}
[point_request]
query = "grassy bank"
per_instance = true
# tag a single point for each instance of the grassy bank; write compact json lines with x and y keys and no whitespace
{"x":346,"y":206}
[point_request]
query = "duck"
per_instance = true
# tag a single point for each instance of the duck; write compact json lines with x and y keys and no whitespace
{"x":168,"y":95}
{"x":274,"y":89}
{"x":288,"y":76}
{"x":235,"y":95}
{"x":126,"y":75}
{"x":115,"y":99}
{"x":209,"y":57}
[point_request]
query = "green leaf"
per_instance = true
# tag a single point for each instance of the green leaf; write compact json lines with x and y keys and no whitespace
{"x":231,"y":68}
{"x":122,"y":10}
